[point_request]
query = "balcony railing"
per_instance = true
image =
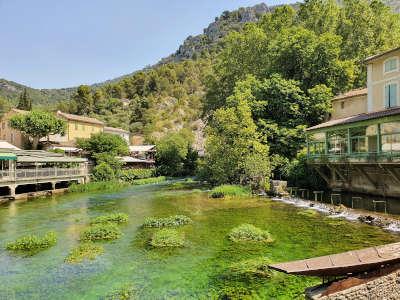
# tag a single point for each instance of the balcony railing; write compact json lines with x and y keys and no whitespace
{"x":44,"y":173}
{"x":372,"y":157}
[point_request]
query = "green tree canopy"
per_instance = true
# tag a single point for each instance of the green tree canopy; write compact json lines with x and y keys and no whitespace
{"x":83,"y":99}
{"x":37,"y":125}
{"x":104,"y":143}
{"x":25,"y":102}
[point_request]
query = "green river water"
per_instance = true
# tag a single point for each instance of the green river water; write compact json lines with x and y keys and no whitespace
{"x":193,"y":272}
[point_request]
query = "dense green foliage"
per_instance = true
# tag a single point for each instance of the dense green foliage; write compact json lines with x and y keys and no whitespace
{"x":250,"y":268}
{"x":116,"y":218}
{"x":101,"y":232}
{"x":37,"y":125}
{"x":249,"y":233}
{"x":172,"y":221}
{"x":86,"y":250}
{"x":33,"y":243}
{"x":175,"y":155}
{"x":133,"y":174}
{"x":25,"y":102}
{"x":126,"y":292}
{"x":167,"y":237}
{"x":151,"y":180}
{"x":229,"y":190}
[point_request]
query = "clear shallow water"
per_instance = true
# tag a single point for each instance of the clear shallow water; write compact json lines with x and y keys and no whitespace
{"x":193,"y":272}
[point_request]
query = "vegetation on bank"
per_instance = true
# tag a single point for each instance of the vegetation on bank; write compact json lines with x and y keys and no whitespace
{"x":101,"y":232}
{"x":98,"y":186}
{"x":86,"y":250}
{"x":249,"y":233}
{"x":151,"y":180}
{"x":231,"y":190}
{"x":172,"y":221}
{"x":134,"y":174}
{"x":167,"y":237}
{"x":33,"y":243}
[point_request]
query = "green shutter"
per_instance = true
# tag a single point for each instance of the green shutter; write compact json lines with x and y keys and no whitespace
{"x":387,"y":103}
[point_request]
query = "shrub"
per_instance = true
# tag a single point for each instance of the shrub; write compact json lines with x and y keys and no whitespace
{"x":131,"y":175}
{"x":33,"y":242}
{"x":249,"y":233}
{"x":126,"y":292}
{"x":171,"y":221}
{"x":84,"y":251}
{"x":113,"y":218}
{"x":98,"y":186}
{"x":102,"y":231}
{"x":103,"y":172}
{"x":167,"y":238}
{"x":229,"y":190}
{"x":149,"y":180}
{"x":257,"y":267}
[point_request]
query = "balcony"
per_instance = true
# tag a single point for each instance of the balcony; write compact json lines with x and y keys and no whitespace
{"x":19,"y":175}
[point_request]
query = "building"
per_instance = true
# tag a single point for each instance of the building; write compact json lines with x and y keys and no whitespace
{"x":78,"y":127}
{"x":358,"y":149}
{"x":25,"y":171}
{"x":118,"y":131}
{"x":10,"y":135}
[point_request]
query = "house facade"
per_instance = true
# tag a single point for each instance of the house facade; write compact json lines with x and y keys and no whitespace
{"x":11,"y":135}
{"x":118,"y":131}
{"x":358,"y":149}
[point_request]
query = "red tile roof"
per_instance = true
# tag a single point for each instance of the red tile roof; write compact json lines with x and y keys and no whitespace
{"x":352,"y":93}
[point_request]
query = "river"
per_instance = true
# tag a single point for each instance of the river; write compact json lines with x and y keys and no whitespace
{"x":195,"y":271}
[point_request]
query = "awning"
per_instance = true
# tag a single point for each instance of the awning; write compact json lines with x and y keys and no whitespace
{"x":8,"y":156}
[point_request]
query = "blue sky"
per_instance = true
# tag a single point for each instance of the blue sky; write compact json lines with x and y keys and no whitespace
{"x":62,"y":43}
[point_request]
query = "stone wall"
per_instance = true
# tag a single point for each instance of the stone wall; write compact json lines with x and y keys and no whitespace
{"x":378,"y":287}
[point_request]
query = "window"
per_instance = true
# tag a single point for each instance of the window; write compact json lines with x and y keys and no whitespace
{"x":337,"y":142}
{"x":391,"y":95}
{"x":390,"y":65}
{"x":390,"y":136}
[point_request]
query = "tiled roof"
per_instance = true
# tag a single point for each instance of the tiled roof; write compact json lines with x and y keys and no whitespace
{"x":358,"y":118}
{"x":141,"y":148}
{"x":79,"y":118}
{"x":353,"y":93}
{"x":373,"y":57}
{"x":114,"y":129}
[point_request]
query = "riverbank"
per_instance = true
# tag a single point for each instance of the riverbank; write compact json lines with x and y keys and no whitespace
{"x":384,"y":221}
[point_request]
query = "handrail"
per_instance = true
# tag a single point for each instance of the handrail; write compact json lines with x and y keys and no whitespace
{"x":40,"y":173}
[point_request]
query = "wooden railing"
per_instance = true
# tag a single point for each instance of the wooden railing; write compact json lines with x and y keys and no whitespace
{"x":26,"y":174}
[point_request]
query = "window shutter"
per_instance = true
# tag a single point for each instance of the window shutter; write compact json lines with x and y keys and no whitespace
{"x":387,"y":103}
{"x":393,"y":95}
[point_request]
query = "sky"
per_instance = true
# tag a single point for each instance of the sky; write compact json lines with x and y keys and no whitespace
{"x":64,"y":43}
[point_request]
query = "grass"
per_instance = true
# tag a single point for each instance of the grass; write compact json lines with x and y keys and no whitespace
{"x":167,"y":237}
{"x":308,"y":213}
{"x":116,"y":218}
{"x":172,"y":221}
{"x":249,"y":233}
{"x":84,"y":251}
{"x":151,"y":180}
{"x":98,"y":186}
{"x":33,"y":242}
{"x":229,"y":190}
{"x":101,"y":232}
{"x":126,"y":292}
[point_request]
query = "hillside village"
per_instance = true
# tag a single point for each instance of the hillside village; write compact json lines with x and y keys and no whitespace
{"x":259,"y":161}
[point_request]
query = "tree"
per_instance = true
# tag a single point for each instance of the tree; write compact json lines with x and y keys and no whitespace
{"x":83,"y":100}
{"x":25,"y":102}
{"x":37,"y":125}
{"x":233,"y":147}
{"x":104,"y":143}
{"x":175,"y":156}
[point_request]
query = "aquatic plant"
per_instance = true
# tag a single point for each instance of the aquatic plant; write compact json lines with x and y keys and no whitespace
{"x":308,"y":213}
{"x":113,"y":218}
{"x":231,"y":190}
{"x":167,"y":238}
{"x":256,"y":267}
{"x":33,"y":242}
{"x":98,"y":186}
{"x":172,"y":221}
{"x":249,"y":233}
{"x":151,"y":180}
{"x":83,"y":251}
{"x":126,"y":292}
{"x":101,"y":231}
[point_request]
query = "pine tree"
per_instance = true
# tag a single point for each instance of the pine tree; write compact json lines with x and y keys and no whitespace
{"x":25,"y":102}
